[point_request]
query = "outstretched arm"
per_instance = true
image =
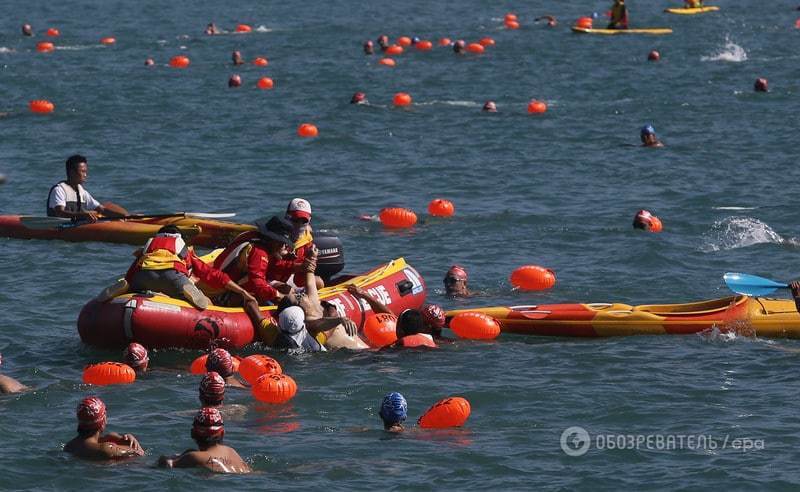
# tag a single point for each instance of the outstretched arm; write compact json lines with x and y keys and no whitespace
{"x":376,"y":305}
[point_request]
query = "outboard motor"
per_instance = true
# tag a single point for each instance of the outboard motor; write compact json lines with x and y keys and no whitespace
{"x":331,"y":255}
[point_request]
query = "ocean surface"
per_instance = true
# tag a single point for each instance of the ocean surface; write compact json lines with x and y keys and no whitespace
{"x":558,"y":190}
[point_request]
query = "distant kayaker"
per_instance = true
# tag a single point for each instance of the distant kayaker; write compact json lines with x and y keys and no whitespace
{"x":455,"y":282}
{"x":221,"y":362}
{"x":619,"y":15}
{"x":10,"y":385}
{"x":208,"y":431}
{"x":411,"y":329}
{"x":393,"y":412}
{"x":692,"y":4}
{"x":135,"y":355}
{"x":91,"y":444}
{"x":649,"y":138}
{"x":71,"y":200}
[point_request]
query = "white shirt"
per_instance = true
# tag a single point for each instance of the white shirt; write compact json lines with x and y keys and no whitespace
{"x":58,"y":197}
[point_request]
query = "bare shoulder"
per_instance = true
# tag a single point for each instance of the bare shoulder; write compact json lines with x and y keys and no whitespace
{"x":10,"y":385}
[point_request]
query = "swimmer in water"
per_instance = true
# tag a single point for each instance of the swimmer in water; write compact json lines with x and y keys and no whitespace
{"x":490,"y":107}
{"x":9,"y":385}
{"x":383,"y":42}
{"x":236,"y":56}
{"x":208,"y":431}
{"x":459,"y":46}
{"x":435,"y":321}
{"x":761,"y":85}
{"x":551,"y":20}
{"x":455,"y":282}
{"x":359,"y":98}
{"x":235,"y":81}
{"x":27,"y":30}
{"x":91,"y":444}
{"x":212,"y":29}
{"x":643,"y":220}
{"x":369,"y":47}
{"x":221,"y":362}
{"x":149,"y":62}
{"x":649,"y":138}
{"x":394,"y":411}
{"x":135,"y":355}
{"x":411,"y":329}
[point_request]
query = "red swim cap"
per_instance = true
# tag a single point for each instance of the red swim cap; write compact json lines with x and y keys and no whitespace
{"x":434,"y":315}
{"x":212,"y":389}
{"x":219,"y":360}
{"x":642,"y":219}
{"x":208,"y":423}
{"x":135,"y":355}
{"x":457,"y":271}
{"x":91,"y":414}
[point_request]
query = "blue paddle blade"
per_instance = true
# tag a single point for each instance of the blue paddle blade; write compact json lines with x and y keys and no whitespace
{"x":751,"y":285}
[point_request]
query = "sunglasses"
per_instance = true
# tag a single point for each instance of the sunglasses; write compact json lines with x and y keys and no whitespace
{"x":299,"y":220}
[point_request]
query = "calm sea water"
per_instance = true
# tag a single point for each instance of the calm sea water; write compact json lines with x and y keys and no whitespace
{"x":558,"y":190}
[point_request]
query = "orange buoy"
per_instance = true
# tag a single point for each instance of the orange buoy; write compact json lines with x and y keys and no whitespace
{"x":45,"y":47}
{"x":487,"y":41}
{"x":108,"y":373}
{"x":108,"y":40}
{"x":450,"y":412}
{"x":261,"y":62}
{"x":797,"y":23}
{"x":511,"y":17}
{"x":397,"y":218}
{"x":307,"y":130}
{"x":394,"y":49}
{"x":439,"y":207}
{"x":533,"y":277}
{"x":584,"y":22}
{"x":380,"y":329}
{"x":265,"y":83}
{"x":402,"y":99}
{"x":655,"y":224}
{"x":41,"y":106}
{"x":387,"y":61}
{"x":53,"y":32}
{"x":243,"y":28}
{"x":404,"y":41}
{"x":274,"y":388}
{"x":512,"y":24}
{"x":537,"y":107}
{"x":198,"y":365}
{"x":445,"y":42}
{"x":254,"y":366}
{"x":475,"y":326}
{"x":424,"y":45}
{"x":475,"y":48}
{"x":179,"y":61}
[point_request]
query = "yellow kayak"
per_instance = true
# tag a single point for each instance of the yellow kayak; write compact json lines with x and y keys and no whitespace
{"x":651,"y":31}
{"x":691,"y":10}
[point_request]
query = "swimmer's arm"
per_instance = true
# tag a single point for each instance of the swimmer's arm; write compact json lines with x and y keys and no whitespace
{"x":324,"y":324}
{"x":376,"y":305}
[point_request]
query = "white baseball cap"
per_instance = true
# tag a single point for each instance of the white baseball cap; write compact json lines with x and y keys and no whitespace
{"x":299,"y":207}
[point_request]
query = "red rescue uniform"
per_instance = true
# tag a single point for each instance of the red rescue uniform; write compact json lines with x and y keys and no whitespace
{"x":246,"y":262}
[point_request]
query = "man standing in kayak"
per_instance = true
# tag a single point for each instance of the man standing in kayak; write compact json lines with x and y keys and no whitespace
{"x":71,"y":200}
{"x":693,"y":4}
{"x":619,"y":15}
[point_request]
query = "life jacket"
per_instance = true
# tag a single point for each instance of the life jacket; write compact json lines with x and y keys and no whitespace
{"x":304,"y":239}
{"x":73,"y":204}
{"x":163,"y":252}
{"x":417,"y":340}
{"x":233,"y":260}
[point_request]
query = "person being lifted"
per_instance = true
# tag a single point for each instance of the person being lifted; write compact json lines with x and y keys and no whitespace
{"x":70,"y":199}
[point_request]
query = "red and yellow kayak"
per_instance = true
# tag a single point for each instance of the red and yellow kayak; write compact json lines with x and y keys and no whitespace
{"x":653,"y":31}
{"x":759,"y":316}
{"x":691,"y":10}
{"x":209,"y":233}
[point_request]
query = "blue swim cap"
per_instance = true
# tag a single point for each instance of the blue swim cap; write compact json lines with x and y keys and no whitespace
{"x":648,"y":130}
{"x":394,"y":408}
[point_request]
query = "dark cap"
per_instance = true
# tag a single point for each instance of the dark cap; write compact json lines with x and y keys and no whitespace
{"x":277,"y":229}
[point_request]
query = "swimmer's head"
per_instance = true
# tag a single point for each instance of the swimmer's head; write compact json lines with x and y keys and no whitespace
{"x":434,"y":317}
{"x":459,"y":46}
{"x":654,"y":56}
{"x":212,"y":389}
{"x":235,"y":81}
{"x":27,"y":30}
{"x":642,"y":220}
{"x":91,"y":415}
{"x":149,"y":62}
{"x":208,"y":427}
{"x":369,"y":47}
{"x":220,"y":360}
{"x":358,"y":98}
{"x":135,"y":355}
{"x":383,"y":41}
{"x":415,"y":40}
{"x":410,"y":322}
{"x":490,"y":107}
{"x":394,"y":410}
{"x":455,"y":281}
{"x":761,"y":85}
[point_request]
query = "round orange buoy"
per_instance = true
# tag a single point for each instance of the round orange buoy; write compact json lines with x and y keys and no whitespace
{"x":487,"y":41}
{"x":394,"y":50}
{"x":387,"y":61}
{"x":475,"y":48}
{"x":179,"y":61}
{"x":424,"y":45}
{"x":511,"y":24}
{"x":108,"y":40}
{"x":274,"y":388}
{"x":265,"y":83}
{"x":53,"y":32}
{"x":445,"y":42}
{"x":511,"y":17}
{"x":307,"y":130}
{"x":254,"y":366}
{"x":797,"y":23}
{"x":45,"y":47}
{"x":108,"y":373}
{"x":243,"y":28}
{"x":656,"y":225}
{"x":439,"y":207}
{"x":397,"y":218}
{"x":41,"y":106}
{"x":537,"y":107}
{"x":533,"y":277}
{"x":401,"y":99}
{"x":450,"y":412}
{"x":584,"y":22}
{"x":475,"y":326}
{"x":404,"y":41}
{"x":380,"y":329}
{"x":261,"y":62}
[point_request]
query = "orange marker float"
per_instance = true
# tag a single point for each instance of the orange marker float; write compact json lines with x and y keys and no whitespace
{"x":307,"y":130}
{"x":261,"y":62}
{"x":53,"y":32}
{"x":387,"y":62}
{"x":380,"y":329}
{"x":41,"y":106}
{"x":475,"y":326}
{"x":511,"y":24}
{"x":656,"y":225}
{"x":45,"y":47}
{"x":450,"y":412}
{"x":401,"y":99}
{"x":179,"y":61}
{"x":242,"y":28}
{"x":106,"y":373}
{"x":274,"y":388}
{"x":253,"y":367}
{"x":537,"y":107}
{"x":439,"y":207}
{"x":533,"y":277}
{"x":108,"y":40}
{"x":397,"y":218}
{"x":198,"y":365}
{"x":511,"y":17}
{"x":404,"y":41}
{"x":487,"y":42}
{"x":584,"y":22}
{"x":475,"y":48}
{"x":644,"y":219}
{"x":394,"y":49}
{"x":265,"y":83}
{"x":424,"y":45}
{"x":445,"y":42}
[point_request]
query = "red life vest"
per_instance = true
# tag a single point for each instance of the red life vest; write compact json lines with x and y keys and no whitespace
{"x":417,"y":340}
{"x":164,"y":252}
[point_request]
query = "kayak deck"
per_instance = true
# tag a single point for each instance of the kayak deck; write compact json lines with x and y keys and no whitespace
{"x":691,"y":10}
{"x":651,"y":31}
